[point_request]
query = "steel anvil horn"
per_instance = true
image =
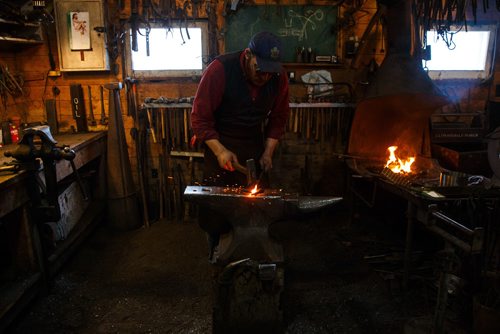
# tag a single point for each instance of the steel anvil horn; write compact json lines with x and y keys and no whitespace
{"x":250,"y":217}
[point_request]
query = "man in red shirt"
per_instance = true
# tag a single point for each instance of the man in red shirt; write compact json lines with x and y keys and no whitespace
{"x":239,"y":113}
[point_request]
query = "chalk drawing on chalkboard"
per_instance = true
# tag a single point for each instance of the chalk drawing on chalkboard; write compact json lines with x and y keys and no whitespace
{"x":297,"y":26}
{"x":304,"y":21}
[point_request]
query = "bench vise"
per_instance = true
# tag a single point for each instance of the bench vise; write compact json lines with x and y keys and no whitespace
{"x":38,"y":144}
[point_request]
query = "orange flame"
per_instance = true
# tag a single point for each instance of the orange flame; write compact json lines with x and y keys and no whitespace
{"x":396,"y":164}
{"x":254,"y":190}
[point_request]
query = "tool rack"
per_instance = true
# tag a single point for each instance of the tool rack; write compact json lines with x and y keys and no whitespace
{"x":169,"y":150}
{"x":322,"y":122}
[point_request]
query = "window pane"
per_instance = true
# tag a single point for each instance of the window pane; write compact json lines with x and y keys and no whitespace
{"x":168,"y":50}
{"x":469,"y":50}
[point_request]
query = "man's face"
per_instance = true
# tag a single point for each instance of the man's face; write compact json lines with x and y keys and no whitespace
{"x":254,"y":75}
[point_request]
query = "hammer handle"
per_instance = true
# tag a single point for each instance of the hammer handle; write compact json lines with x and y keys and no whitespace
{"x":239,"y":168}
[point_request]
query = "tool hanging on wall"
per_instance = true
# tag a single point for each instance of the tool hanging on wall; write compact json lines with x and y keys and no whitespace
{"x":91,"y":109}
{"x":131,"y":85}
{"x":51,"y":114}
{"x":134,"y":25}
{"x":104,"y":119}
{"x":78,"y":107}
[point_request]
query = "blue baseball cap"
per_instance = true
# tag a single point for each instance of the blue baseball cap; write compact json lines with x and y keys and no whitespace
{"x":267,"y":48}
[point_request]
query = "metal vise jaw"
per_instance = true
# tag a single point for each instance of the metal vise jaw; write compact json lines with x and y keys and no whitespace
{"x":250,"y":216}
{"x":27,"y":155}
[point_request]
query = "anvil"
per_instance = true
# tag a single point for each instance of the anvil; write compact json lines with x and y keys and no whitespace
{"x":250,"y":216}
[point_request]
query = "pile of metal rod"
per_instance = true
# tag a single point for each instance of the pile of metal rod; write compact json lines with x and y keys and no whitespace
{"x":323,"y":123}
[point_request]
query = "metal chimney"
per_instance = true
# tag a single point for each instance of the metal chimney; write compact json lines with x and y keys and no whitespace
{"x":401,"y":96}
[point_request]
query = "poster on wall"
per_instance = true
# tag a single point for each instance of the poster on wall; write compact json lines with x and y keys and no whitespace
{"x":79,"y":36}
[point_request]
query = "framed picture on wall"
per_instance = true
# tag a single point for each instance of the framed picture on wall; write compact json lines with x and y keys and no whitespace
{"x":78,"y":26}
{"x":81,"y":40}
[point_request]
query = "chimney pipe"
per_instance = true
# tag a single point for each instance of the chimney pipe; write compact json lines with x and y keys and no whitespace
{"x":400,"y":99}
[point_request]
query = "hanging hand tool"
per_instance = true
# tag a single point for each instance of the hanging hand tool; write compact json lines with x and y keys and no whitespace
{"x":104,"y":119}
{"x":131,"y":85}
{"x":78,"y":107}
{"x":91,"y":108}
{"x":182,"y":15}
{"x":134,"y":18}
{"x":151,"y":125}
{"x":148,"y":31}
{"x":136,"y":136}
{"x":194,"y":9}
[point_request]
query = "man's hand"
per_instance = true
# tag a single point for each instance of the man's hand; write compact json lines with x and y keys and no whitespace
{"x":224,"y":156}
{"x":266,"y":160}
{"x":226,"y":159}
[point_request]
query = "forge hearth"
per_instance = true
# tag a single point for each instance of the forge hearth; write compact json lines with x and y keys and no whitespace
{"x":425,"y":172}
{"x":400,"y":98}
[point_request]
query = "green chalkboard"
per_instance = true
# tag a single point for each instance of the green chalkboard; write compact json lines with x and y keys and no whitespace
{"x":297,"y":26}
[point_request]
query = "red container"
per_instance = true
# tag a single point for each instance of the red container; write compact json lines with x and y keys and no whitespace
{"x":14,"y":133}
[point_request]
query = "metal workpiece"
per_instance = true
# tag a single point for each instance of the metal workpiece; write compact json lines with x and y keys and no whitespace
{"x":278,"y":203}
{"x":314,"y":203}
{"x":250,"y":216}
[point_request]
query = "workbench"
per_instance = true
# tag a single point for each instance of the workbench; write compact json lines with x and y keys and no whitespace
{"x":436,"y":209}
{"x":26,"y":259}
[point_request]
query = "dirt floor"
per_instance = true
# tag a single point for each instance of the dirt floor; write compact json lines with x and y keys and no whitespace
{"x":339,"y":278}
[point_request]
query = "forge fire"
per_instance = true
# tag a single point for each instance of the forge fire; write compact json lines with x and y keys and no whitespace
{"x":398,"y":164}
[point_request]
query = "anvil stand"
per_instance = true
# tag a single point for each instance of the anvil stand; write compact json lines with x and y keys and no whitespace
{"x":43,"y":196}
{"x":251,"y":276}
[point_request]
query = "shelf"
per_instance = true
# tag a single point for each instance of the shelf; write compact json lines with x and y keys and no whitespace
{"x":313,"y":105}
{"x":330,"y":65}
{"x":16,"y":40}
{"x":17,"y":34}
{"x":18,"y":24}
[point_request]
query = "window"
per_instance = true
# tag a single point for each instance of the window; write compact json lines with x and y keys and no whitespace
{"x":460,"y":54}
{"x":173,"y":52}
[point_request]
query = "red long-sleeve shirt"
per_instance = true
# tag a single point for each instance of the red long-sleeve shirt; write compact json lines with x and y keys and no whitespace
{"x":209,"y":96}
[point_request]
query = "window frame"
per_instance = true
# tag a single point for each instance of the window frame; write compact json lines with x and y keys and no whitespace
{"x":159,"y":74}
{"x":483,"y":75}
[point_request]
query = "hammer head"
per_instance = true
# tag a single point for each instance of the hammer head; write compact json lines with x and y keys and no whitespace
{"x":251,"y":171}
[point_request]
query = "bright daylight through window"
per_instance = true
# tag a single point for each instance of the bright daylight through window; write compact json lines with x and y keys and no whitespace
{"x":461,"y":54}
{"x":172,"y":52}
